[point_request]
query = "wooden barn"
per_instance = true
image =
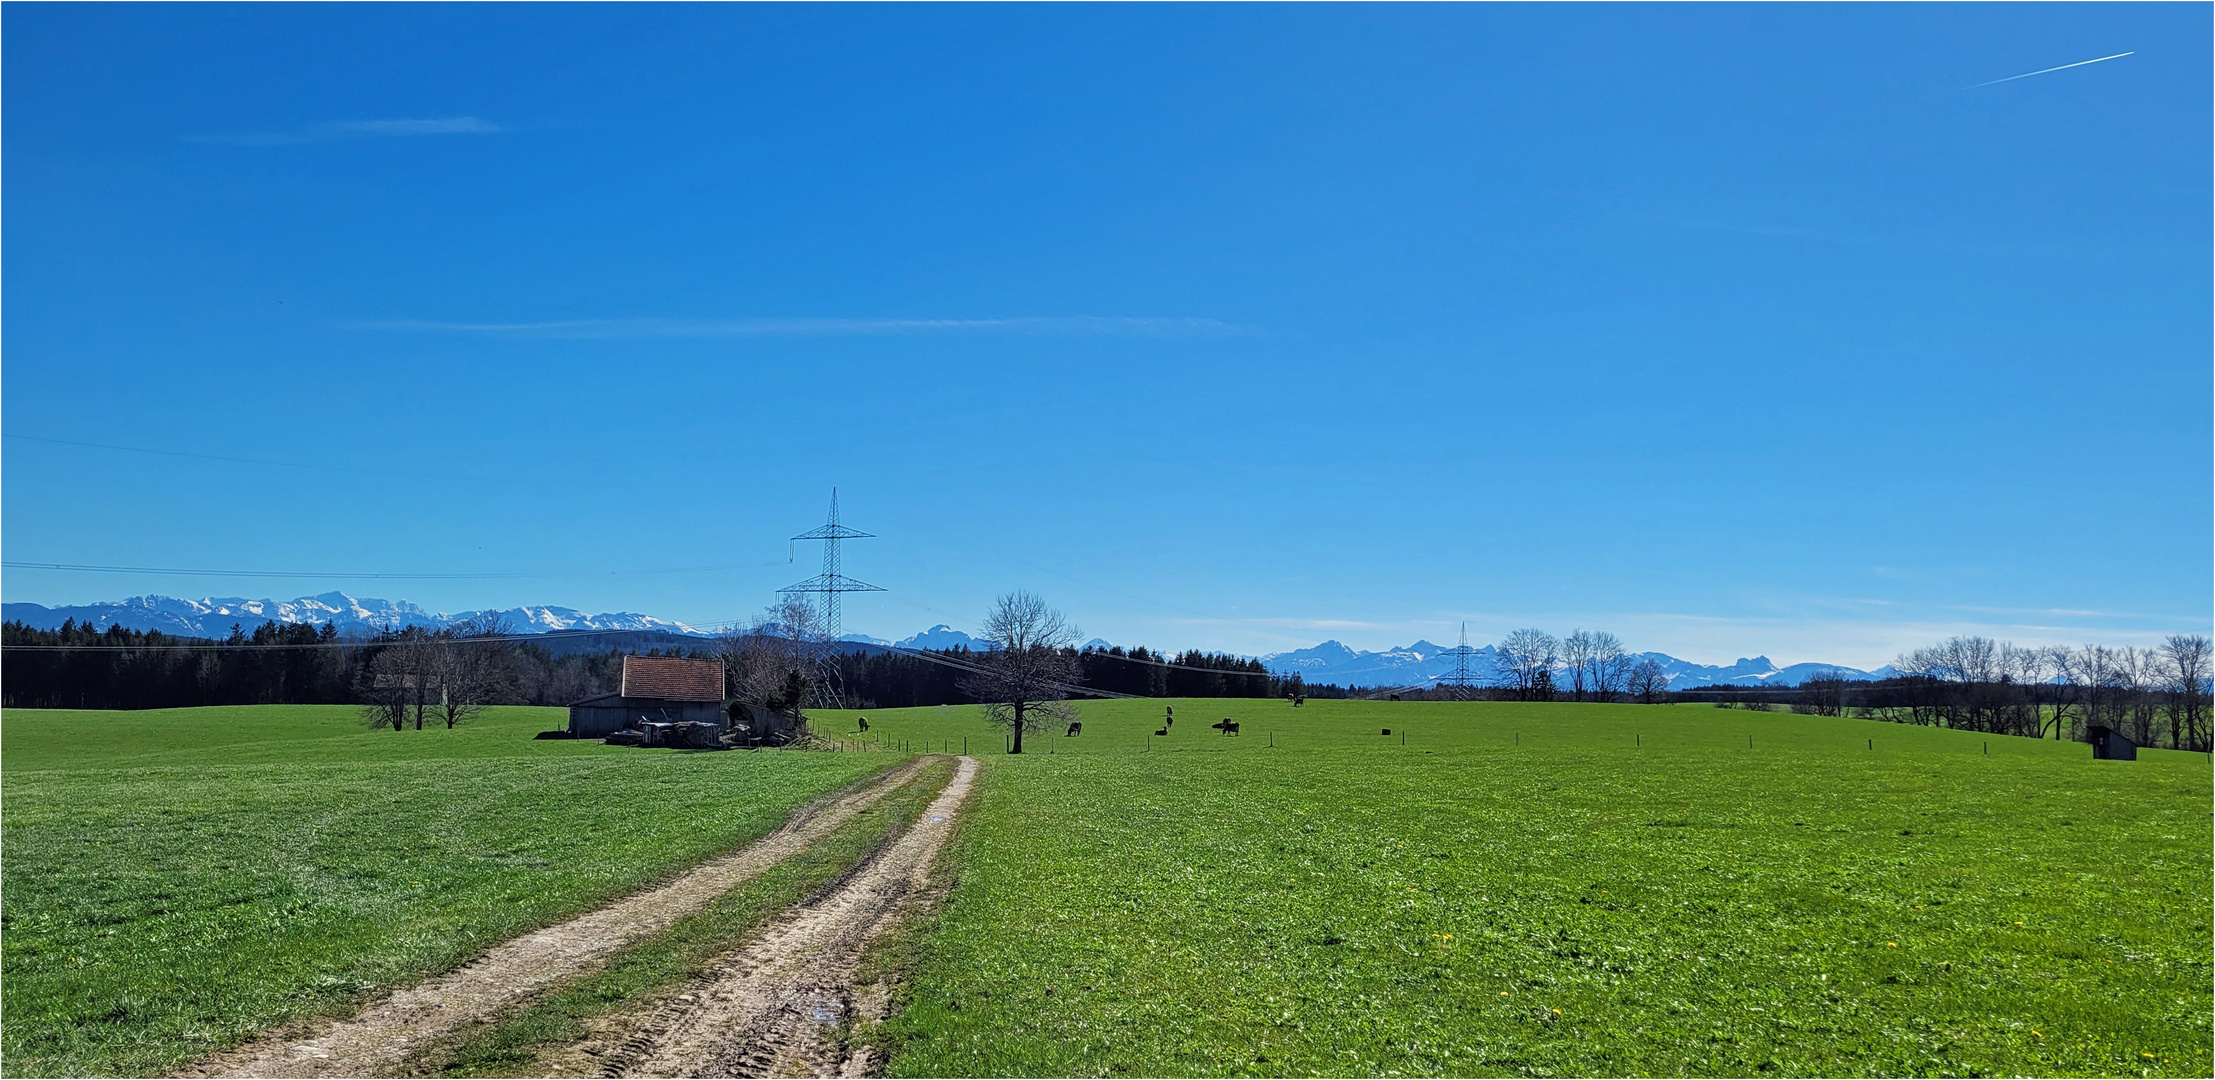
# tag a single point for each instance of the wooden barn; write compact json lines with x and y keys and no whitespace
{"x":655,"y":690}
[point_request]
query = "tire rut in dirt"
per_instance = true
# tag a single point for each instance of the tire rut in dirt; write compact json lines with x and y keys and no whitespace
{"x":377,"y":1040}
{"x":765,"y":1009}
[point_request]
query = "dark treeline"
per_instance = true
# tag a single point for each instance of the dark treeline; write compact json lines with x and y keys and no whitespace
{"x":117,"y":668}
{"x":899,"y":680}
{"x":78,"y":667}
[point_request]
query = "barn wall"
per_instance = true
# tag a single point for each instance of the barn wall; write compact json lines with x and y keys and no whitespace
{"x":598,"y":721}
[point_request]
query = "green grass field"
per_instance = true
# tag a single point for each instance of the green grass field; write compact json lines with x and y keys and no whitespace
{"x":1629,"y":889}
{"x":178,"y":879}
{"x":1539,"y":889}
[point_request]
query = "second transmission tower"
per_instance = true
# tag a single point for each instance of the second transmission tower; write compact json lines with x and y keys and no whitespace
{"x":830,"y":584}
{"x":1461,"y":678}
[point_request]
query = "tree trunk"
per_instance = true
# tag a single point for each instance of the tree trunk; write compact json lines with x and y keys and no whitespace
{"x":1018,"y":729}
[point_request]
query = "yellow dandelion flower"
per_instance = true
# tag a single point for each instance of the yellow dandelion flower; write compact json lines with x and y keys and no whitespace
{"x":1503,"y":993}
{"x":1557,"y":1012}
{"x":1891,"y":944}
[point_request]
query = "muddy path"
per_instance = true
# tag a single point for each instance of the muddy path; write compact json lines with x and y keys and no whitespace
{"x":767,"y":1008}
{"x":376,"y":1040}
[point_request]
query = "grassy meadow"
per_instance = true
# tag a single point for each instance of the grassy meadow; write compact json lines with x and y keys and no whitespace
{"x":178,"y":879}
{"x":1558,"y":889}
{"x":1495,"y":888}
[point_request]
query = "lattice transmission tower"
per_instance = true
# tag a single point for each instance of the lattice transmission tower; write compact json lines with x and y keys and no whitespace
{"x":831,"y":584}
{"x":1462,"y":679}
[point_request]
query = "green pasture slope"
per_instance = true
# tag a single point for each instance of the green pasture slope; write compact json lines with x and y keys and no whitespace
{"x":1631,"y":890}
{"x":175,"y":880}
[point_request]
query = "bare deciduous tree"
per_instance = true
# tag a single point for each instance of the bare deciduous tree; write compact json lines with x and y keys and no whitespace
{"x":1647,"y":683}
{"x":1610,"y":665}
{"x":401,"y":680}
{"x":1825,"y":692}
{"x":2095,"y":672}
{"x":1525,"y":663}
{"x":2139,"y":677}
{"x":2056,"y":682}
{"x":775,"y":660}
{"x":1576,"y":661}
{"x":2188,"y":675}
{"x":1029,"y":671}
{"x":470,"y":663}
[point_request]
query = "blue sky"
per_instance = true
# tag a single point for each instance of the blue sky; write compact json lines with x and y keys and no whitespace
{"x":1733,"y":330}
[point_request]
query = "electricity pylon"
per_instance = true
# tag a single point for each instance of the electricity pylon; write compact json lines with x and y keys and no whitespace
{"x":830,"y":584}
{"x":1461,"y":679}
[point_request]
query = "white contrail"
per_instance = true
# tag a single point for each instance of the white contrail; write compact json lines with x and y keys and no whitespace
{"x":2042,"y":71}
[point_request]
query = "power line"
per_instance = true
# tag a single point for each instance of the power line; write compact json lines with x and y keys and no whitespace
{"x":947,"y":661}
{"x":92,"y":568}
{"x":278,"y":464}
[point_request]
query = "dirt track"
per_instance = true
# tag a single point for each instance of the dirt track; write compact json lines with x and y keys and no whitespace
{"x":376,"y":1040}
{"x":764,"y":1010}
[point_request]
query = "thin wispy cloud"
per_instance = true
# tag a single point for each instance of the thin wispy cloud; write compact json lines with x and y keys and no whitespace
{"x":357,"y":129}
{"x":1036,"y":326}
{"x":2048,"y":71}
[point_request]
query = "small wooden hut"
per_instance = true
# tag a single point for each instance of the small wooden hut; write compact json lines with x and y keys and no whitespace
{"x":2109,"y":744}
{"x":655,"y":690}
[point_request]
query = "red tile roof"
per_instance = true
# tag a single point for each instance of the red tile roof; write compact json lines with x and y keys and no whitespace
{"x":672,"y":679}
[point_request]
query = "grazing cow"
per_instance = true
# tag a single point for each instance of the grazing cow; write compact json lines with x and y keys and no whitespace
{"x":1075,"y":727}
{"x":1395,"y":697}
{"x":1299,"y":700}
{"x":1388,"y":731}
{"x":1230,"y":728}
{"x":864,"y":721}
{"x":1161,"y":731}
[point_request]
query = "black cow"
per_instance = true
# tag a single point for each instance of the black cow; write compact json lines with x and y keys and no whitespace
{"x":1226,"y":727}
{"x":863,"y":721}
{"x":1075,"y":727}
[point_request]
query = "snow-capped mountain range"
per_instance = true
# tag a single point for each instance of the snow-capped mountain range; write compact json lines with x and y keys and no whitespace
{"x":214,"y":617}
{"x":1424,"y":662}
{"x":1330,"y":662}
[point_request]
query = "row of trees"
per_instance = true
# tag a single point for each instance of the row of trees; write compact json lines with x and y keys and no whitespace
{"x":1588,"y":665}
{"x":2156,"y":696}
